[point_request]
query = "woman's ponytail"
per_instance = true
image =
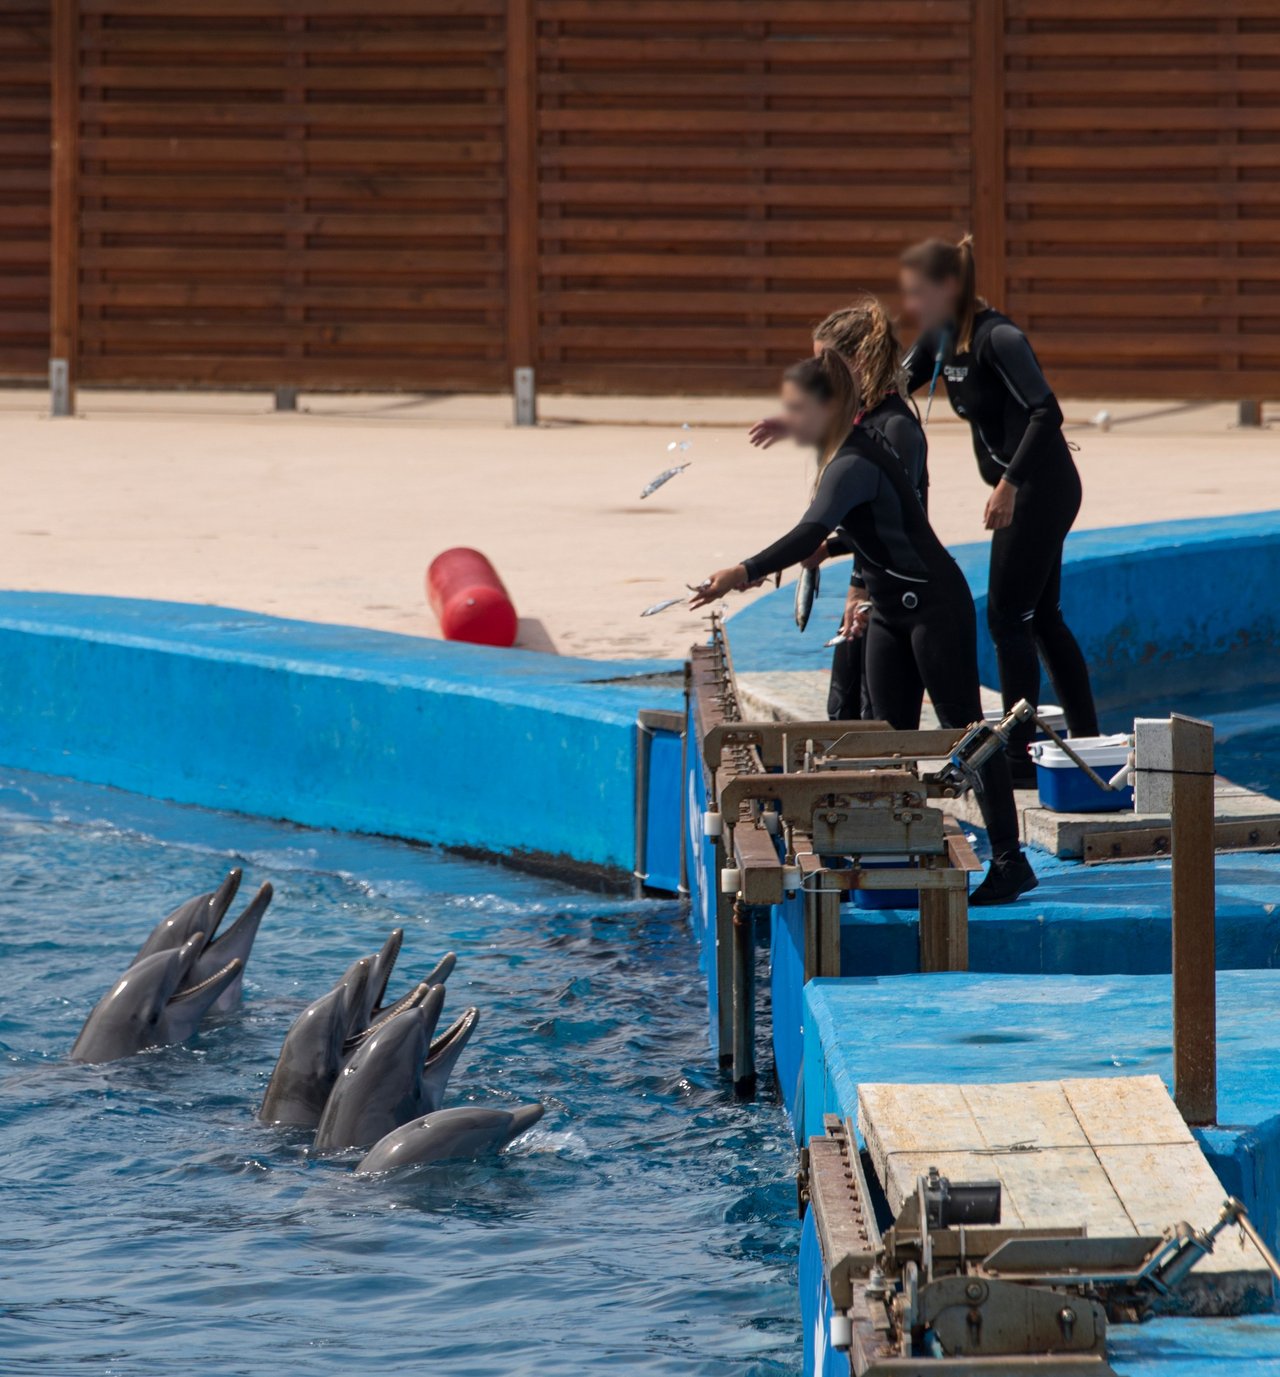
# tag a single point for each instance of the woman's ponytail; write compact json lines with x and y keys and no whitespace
{"x":864,"y":335}
{"x":967,"y":304}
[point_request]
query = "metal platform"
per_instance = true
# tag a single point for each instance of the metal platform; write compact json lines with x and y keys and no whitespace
{"x":1111,"y":1155}
{"x":1246,"y":820}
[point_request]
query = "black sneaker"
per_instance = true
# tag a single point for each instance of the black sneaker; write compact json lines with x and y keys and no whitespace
{"x":1006,"y":878}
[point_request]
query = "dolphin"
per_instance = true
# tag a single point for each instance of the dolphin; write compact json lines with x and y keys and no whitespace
{"x":464,"y":1131}
{"x":149,"y":1006}
{"x":328,"y":1032}
{"x":204,"y":913}
{"x":396,"y":1074}
{"x":201,"y":914}
{"x":311,"y":1055}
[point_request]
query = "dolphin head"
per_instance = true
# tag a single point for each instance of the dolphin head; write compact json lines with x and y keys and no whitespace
{"x":311,"y":1056}
{"x":234,"y":945}
{"x":465,"y":1131}
{"x":380,"y":1087}
{"x":144,"y":1009}
{"x":201,"y":914}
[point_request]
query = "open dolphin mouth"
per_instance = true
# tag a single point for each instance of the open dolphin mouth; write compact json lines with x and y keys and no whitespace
{"x":460,"y":1028}
{"x":220,"y":976}
{"x":406,"y":1001}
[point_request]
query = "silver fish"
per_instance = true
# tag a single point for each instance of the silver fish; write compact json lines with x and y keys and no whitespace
{"x":664,"y":477}
{"x":806,"y":590}
{"x":660,"y":606}
{"x":838,"y":639}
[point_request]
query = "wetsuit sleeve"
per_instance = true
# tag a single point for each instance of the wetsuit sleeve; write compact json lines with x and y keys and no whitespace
{"x":846,"y":483}
{"x":1010,"y":355}
{"x":919,"y":361}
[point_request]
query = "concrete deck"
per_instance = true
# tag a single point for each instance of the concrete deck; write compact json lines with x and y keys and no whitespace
{"x":332,"y":514}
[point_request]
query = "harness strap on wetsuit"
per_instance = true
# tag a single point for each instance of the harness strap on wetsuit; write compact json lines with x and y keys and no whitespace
{"x":944,"y":345}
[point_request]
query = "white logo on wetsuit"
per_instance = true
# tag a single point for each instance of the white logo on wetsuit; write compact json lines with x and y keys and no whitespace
{"x":954,"y":374}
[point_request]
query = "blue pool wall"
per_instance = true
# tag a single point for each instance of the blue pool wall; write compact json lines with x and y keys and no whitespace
{"x":1155,"y":607}
{"x":503,"y":751}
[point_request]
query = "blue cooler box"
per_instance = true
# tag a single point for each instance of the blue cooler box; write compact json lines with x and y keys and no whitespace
{"x":1064,"y":786}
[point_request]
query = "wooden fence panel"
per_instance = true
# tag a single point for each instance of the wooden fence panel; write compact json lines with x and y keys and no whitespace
{"x":24,"y":188}
{"x":307,"y":194}
{"x":1142,"y":223}
{"x":630,"y":195}
{"x":715,"y":175}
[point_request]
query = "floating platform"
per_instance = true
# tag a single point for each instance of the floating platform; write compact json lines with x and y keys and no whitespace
{"x":965,"y":1028}
{"x":1110,"y":1154}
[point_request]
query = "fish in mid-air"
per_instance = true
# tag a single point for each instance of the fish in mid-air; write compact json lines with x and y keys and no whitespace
{"x":664,"y":477}
{"x":806,"y":590}
{"x":660,"y":607}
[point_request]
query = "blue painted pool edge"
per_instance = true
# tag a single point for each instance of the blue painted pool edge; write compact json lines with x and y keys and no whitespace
{"x":1147,"y":602}
{"x":508,"y":752}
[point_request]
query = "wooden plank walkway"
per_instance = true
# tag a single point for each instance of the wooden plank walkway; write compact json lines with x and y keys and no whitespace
{"x":1109,"y":1153}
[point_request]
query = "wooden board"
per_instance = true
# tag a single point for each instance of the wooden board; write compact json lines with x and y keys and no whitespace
{"x":1109,"y":1153}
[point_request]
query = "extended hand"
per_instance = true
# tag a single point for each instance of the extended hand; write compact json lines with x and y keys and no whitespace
{"x":721,"y":582}
{"x":999,"y":512}
{"x":768,"y":432}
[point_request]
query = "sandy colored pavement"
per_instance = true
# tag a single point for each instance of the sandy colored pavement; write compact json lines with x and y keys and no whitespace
{"x":333,"y":513}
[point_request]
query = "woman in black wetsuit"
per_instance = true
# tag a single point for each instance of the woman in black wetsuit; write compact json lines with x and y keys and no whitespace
{"x":863,"y":335}
{"x":922,"y":632}
{"x":994,"y":382}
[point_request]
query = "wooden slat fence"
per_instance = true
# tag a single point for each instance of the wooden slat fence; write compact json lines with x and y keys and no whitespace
{"x":24,"y":188}
{"x":632,"y":195}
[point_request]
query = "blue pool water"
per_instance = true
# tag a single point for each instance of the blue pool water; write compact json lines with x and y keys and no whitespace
{"x":151,"y":1225}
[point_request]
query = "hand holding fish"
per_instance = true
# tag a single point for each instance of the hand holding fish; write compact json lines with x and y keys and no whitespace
{"x":721,"y":582}
{"x":857,"y":612}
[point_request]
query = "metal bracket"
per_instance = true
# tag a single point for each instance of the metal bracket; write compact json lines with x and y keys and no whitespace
{"x":1155,"y":843}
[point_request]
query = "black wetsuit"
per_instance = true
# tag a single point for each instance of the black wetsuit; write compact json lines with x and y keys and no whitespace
{"x":923,"y":629}
{"x":849,"y":696}
{"x":997,"y":386}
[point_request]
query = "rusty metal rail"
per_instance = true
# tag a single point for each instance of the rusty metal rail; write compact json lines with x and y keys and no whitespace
{"x":792,"y":809}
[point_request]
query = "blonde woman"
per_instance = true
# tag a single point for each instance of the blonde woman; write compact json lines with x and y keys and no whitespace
{"x":922,"y":632}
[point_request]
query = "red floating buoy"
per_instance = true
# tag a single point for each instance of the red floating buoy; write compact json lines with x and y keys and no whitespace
{"x":469,"y":599}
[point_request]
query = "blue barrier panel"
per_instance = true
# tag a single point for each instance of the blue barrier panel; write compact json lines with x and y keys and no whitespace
{"x":1172,"y":607}
{"x":786,"y":988}
{"x":662,"y":833}
{"x":505,"y":751}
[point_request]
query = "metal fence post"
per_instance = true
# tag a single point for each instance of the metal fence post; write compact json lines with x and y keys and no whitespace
{"x":526,"y":398}
{"x":64,"y":238}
